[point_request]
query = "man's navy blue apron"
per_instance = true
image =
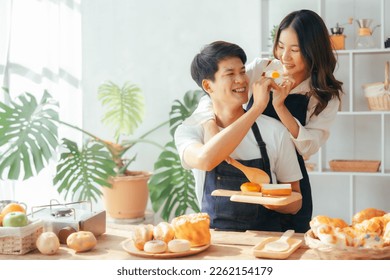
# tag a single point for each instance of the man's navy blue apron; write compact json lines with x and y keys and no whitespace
{"x":228,"y":215}
{"x":297,"y":105}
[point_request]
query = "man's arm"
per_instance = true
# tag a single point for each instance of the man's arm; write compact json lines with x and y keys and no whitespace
{"x":291,"y":208}
{"x":219,"y":145}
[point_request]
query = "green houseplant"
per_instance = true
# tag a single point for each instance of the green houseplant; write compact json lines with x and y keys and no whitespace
{"x":29,"y":130}
{"x":29,"y":140}
{"x":172,"y":188}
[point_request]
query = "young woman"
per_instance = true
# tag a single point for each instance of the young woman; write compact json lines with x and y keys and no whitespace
{"x":307,"y":100}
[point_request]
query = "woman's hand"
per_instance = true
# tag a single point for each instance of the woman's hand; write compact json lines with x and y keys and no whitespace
{"x":281,"y":92}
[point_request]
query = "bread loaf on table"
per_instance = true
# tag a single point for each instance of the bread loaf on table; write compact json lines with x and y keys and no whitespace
{"x":276,"y":189}
{"x":193,"y":227}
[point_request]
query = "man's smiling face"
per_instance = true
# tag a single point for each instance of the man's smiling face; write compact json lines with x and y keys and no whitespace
{"x":231,"y":84}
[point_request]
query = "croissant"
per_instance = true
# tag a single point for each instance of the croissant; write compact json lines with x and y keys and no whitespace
{"x":370,"y":229}
{"x":320,"y":220}
{"x":367,"y":214}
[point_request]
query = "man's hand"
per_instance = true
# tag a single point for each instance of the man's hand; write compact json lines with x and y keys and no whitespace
{"x":261,"y":89}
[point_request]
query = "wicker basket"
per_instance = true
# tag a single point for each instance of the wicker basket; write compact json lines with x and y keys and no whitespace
{"x":378,"y":94}
{"x":20,"y":240}
{"x":327,"y":252}
{"x":379,"y":103}
{"x":354,"y":165}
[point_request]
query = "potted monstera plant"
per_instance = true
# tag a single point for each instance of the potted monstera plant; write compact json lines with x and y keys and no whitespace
{"x":29,"y":139}
{"x":171,"y":187}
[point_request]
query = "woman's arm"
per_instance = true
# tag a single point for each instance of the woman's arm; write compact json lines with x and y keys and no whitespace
{"x":317,"y":129}
{"x":309,"y":138}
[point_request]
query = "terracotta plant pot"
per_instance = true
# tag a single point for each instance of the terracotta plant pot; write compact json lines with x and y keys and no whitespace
{"x":128,"y":197}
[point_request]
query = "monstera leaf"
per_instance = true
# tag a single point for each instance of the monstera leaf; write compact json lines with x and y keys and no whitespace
{"x":124,"y":107}
{"x":172,"y":188}
{"x":29,"y":135}
{"x":81,"y":173}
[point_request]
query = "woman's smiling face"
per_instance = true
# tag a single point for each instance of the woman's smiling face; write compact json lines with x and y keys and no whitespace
{"x":289,"y":53}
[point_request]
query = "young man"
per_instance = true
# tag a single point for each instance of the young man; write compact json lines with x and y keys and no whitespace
{"x":253,"y":139}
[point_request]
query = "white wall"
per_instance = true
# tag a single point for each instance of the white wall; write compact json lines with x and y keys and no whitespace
{"x":152,"y":42}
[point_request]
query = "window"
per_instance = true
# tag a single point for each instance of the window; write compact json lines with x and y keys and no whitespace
{"x":40,"y":49}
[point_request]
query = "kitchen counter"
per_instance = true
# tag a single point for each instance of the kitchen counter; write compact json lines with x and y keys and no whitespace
{"x":225,"y":245}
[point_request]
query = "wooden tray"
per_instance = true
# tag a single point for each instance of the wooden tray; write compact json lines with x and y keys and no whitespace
{"x":355,"y":165}
{"x":257,"y":197}
{"x":128,"y":246}
{"x":260,"y":252}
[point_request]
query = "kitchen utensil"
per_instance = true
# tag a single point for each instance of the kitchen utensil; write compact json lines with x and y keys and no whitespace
{"x":254,"y":175}
{"x":259,"y":250}
{"x":364,"y":39}
{"x":282,"y":243}
{"x":337,"y":30}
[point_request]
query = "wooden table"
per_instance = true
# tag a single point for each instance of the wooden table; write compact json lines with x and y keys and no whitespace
{"x":225,"y":245}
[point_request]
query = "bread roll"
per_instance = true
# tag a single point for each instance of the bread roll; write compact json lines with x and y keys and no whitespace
{"x":141,"y":235}
{"x":164,"y":231}
{"x":155,"y":247}
{"x":367,"y":214}
{"x":320,"y":220}
{"x":372,"y":233}
{"x":276,"y":189}
{"x":331,"y":236}
{"x":386,"y":235}
{"x":250,"y":187}
{"x":374,"y":225}
{"x":179,"y":245}
{"x":369,"y":240}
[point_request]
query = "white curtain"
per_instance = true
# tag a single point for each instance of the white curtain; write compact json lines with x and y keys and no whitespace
{"x":40,"y":49}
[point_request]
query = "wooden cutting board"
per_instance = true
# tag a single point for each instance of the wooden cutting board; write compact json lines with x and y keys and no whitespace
{"x":257,"y":197}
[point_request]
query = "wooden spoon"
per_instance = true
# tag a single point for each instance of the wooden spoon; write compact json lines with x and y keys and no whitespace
{"x":254,"y":175}
{"x":281,"y":244}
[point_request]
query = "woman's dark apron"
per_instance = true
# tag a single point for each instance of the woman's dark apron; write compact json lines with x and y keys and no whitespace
{"x":297,"y":105}
{"x":227,"y":215}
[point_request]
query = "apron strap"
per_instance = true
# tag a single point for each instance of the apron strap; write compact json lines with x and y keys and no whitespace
{"x":263,"y":150}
